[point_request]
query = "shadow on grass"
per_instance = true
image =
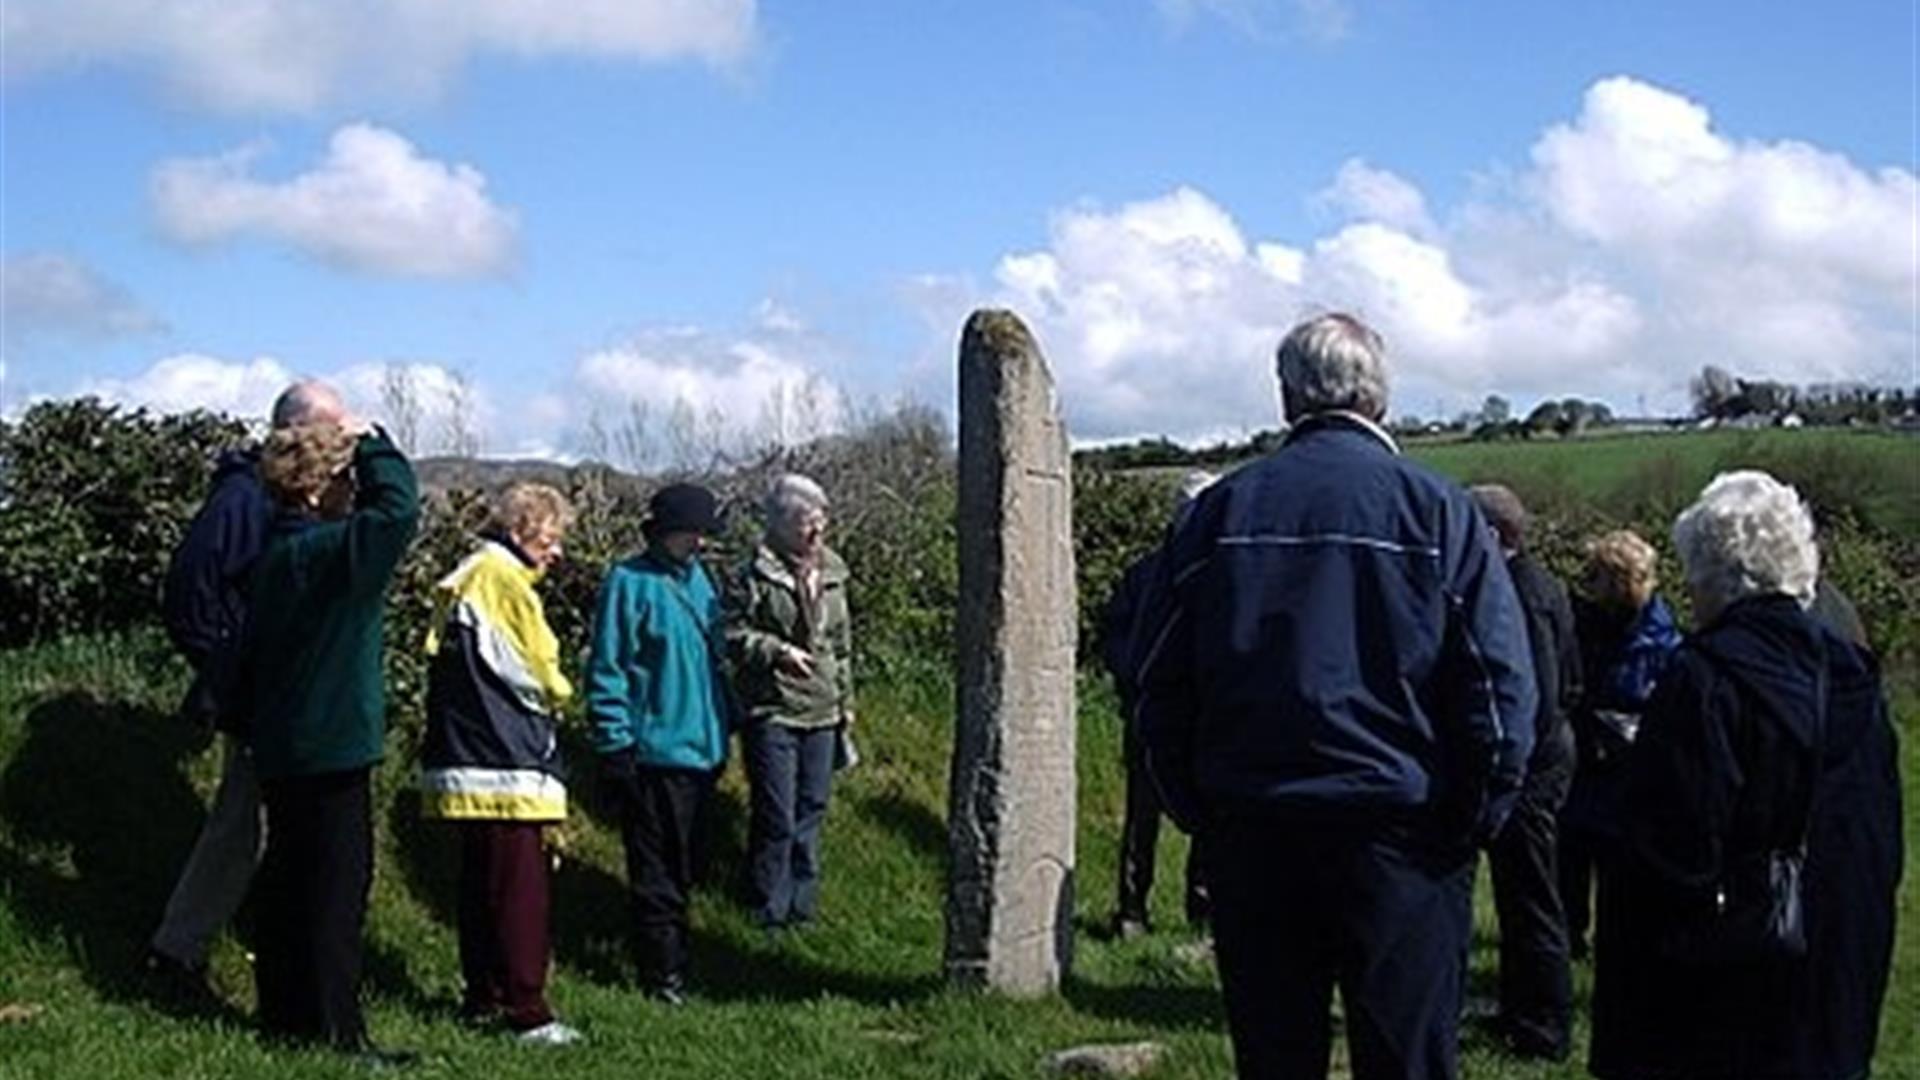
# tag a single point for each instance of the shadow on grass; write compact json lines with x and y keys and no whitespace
{"x":923,"y":830}
{"x":1154,"y":1005}
{"x":100,"y":818}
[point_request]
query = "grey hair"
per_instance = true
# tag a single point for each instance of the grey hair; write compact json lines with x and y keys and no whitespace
{"x":792,"y":492}
{"x":1504,"y":511}
{"x":1332,"y":362}
{"x":308,"y":401}
{"x":1748,"y":535}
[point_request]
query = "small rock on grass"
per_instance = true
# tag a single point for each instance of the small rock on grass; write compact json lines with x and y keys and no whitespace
{"x":1107,"y":1059}
{"x":14,"y":1013}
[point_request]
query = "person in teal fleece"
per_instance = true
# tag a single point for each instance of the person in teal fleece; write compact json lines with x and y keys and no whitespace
{"x":658,"y":699}
{"x":310,"y":681}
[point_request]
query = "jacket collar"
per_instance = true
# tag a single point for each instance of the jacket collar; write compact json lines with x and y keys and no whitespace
{"x":1342,"y":418}
{"x":768,"y":564}
{"x":682,"y":571}
{"x":500,"y":539}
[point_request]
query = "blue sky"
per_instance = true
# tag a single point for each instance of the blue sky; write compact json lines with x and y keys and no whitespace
{"x":552,"y":210}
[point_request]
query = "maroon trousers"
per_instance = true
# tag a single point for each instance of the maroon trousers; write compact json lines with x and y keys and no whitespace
{"x":503,"y":922}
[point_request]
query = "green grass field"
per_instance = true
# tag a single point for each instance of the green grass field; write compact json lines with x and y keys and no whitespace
{"x":100,"y":795}
{"x":1620,"y":471}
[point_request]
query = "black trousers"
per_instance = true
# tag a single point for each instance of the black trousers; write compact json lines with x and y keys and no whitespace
{"x":1139,"y":840}
{"x":662,"y":811}
{"x":790,"y":771}
{"x":1299,"y":908}
{"x":311,"y":900}
{"x":1536,"y":985}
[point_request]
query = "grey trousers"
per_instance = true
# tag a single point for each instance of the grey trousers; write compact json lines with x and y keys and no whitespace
{"x":215,"y":878}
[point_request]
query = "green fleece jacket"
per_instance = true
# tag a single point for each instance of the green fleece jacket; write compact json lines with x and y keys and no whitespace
{"x":766,"y":615}
{"x":310,"y":669}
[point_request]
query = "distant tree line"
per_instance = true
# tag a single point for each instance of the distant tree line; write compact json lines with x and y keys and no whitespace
{"x":1720,"y":395}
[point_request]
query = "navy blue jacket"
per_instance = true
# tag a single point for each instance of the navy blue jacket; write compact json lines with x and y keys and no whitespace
{"x":1333,"y":635}
{"x":203,"y":601}
{"x":1739,"y":756}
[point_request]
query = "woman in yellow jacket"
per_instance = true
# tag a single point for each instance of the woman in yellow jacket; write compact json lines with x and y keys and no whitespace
{"x":490,"y":761}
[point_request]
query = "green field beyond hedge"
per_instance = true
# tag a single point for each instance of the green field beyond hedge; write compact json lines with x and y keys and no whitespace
{"x":101,"y":794}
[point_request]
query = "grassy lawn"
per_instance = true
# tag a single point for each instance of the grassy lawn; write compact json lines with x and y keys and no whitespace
{"x":100,"y":796}
{"x":1617,"y":470}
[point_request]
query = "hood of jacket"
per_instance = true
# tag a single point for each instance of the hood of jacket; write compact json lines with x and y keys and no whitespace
{"x":1777,"y":653}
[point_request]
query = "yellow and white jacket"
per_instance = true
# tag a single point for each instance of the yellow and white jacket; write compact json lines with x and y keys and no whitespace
{"x":494,"y":686}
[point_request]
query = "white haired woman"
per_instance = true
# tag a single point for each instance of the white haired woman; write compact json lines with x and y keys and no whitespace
{"x":792,"y":639}
{"x":1766,"y":743}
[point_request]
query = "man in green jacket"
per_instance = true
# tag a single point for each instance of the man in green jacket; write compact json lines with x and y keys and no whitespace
{"x":658,"y":701}
{"x":310,"y":681}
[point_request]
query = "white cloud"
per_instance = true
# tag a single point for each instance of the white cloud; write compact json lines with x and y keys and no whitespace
{"x":1642,"y":170}
{"x":1365,"y":193}
{"x":667,"y":386}
{"x":441,"y":405}
{"x":277,"y":55}
{"x":190,"y":381}
{"x":690,"y":384}
{"x":1160,"y":316}
{"x":44,"y":293}
{"x":374,"y":203}
{"x":432,"y":407}
{"x":1640,"y":245}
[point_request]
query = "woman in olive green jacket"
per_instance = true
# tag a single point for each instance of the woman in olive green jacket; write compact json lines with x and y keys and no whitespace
{"x":791,"y":639}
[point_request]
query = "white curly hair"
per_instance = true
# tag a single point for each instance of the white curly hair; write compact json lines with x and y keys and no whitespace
{"x":1747,"y":535}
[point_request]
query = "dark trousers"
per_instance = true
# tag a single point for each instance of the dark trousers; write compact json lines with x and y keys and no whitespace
{"x":1139,"y":840}
{"x":1536,"y":987}
{"x":503,"y":921}
{"x":790,"y":773}
{"x":661,"y":813}
{"x":1299,"y":908}
{"x":312,"y":906}
{"x":1578,"y":854}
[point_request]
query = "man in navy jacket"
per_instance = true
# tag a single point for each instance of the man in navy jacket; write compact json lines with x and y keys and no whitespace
{"x":204,"y":607}
{"x":1336,"y":690}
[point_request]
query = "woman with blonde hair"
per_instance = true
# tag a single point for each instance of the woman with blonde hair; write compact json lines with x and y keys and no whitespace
{"x":491,"y":762}
{"x":1626,"y":634}
{"x":310,"y":681}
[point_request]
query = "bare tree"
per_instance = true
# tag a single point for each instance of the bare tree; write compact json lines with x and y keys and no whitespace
{"x":400,"y":400}
{"x":462,"y":432}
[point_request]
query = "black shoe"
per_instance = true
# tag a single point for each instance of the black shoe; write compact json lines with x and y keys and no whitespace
{"x":1522,"y":1041}
{"x":178,"y":980}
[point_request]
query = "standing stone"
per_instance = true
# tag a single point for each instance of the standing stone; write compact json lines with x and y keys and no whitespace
{"x":1010,"y":816}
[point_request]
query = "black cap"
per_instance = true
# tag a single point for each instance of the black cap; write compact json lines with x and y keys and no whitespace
{"x":683,"y":508}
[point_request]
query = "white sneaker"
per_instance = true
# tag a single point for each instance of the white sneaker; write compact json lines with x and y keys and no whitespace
{"x":551,"y":1033}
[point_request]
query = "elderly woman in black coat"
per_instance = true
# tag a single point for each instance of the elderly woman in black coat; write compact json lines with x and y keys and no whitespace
{"x":1768,"y":736}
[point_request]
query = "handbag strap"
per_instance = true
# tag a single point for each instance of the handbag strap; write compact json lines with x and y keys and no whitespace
{"x":1821,"y":688}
